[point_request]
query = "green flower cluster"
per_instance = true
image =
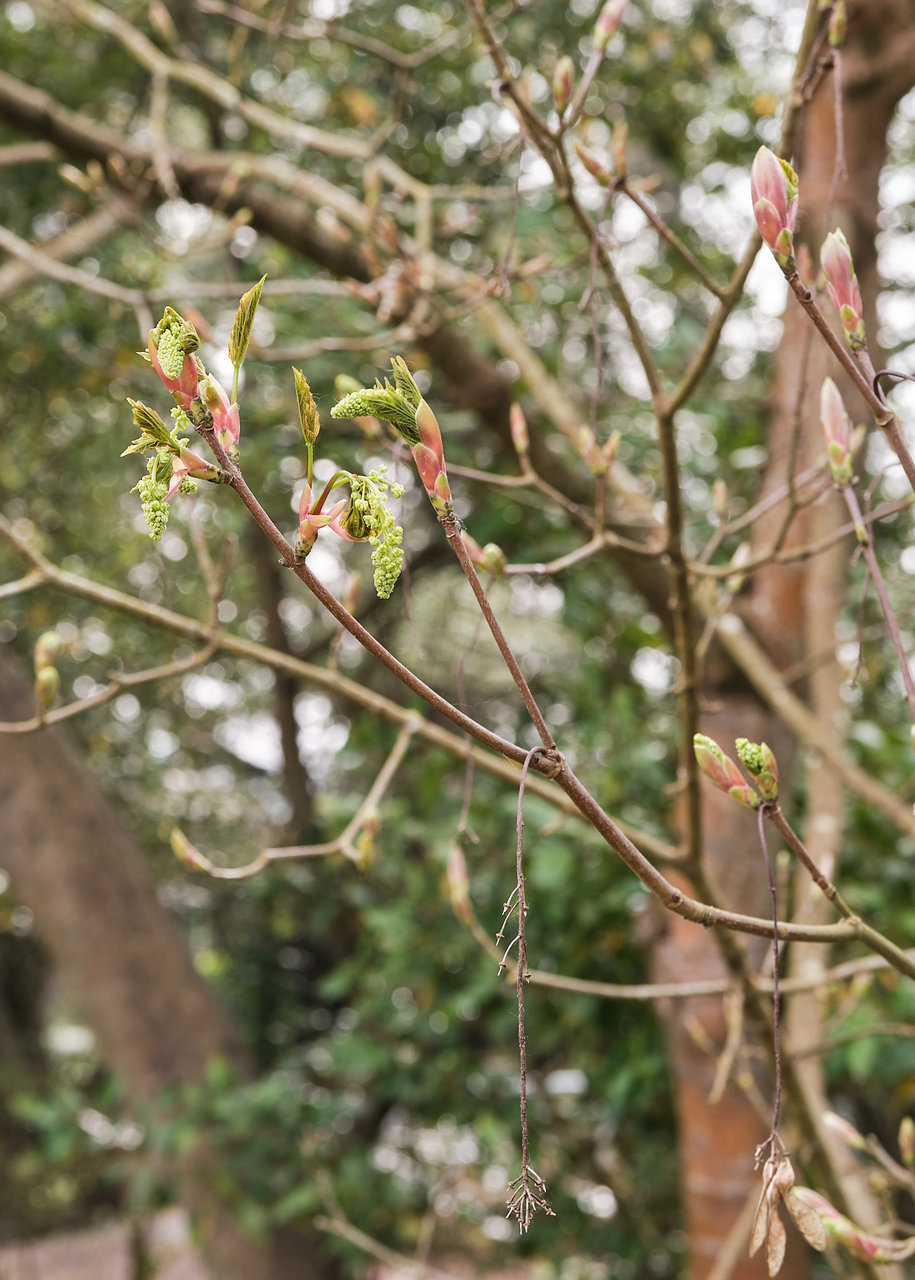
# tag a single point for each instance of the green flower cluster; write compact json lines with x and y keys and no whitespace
{"x":175,"y":338}
{"x":397,"y":404}
{"x":368,"y":519}
{"x":152,"y":491}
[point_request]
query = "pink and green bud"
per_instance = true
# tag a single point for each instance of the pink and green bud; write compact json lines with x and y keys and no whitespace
{"x":773,"y":187}
{"x":593,"y":165}
{"x":563,"y":83}
{"x":844,"y":1130}
{"x":459,"y":884}
{"x":518,"y":424}
{"x":188,"y":465}
{"x":759,"y":760}
{"x":859,"y":1244}
{"x":619,"y":141}
{"x":609,"y":21}
{"x":839,"y":270}
{"x":906,"y":1140}
{"x":171,"y":346}
{"x":721,"y":770}
{"x":491,"y":558}
{"x":837,"y":431}
{"x":224,"y":414}
{"x":188,"y":853}
{"x":313,"y":518}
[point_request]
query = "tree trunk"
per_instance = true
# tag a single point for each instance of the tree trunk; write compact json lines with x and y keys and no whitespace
{"x":120,"y":956}
{"x":792,"y":611}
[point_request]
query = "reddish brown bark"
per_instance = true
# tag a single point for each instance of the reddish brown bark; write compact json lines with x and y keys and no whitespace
{"x":791,"y":612}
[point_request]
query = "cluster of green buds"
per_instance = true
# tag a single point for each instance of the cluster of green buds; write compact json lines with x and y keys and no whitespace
{"x":756,"y":757}
{"x":402,"y":404}
{"x":759,"y":760}
{"x":363,"y":516}
{"x":47,"y":677}
{"x":171,"y":468}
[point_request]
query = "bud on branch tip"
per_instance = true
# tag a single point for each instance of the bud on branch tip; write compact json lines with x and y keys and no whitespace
{"x":721,"y":770}
{"x":839,"y":270}
{"x":404,"y":407}
{"x":774,"y":190}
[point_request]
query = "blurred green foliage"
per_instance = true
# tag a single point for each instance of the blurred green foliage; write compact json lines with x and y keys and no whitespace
{"x":383,"y":1038}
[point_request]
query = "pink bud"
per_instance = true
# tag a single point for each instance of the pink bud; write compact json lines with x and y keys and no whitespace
{"x":837,"y":432}
{"x":188,"y":463}
{"x":563,"y":83}
{"x":459,"y":884}
{"x":844,"y":1130}
{"x":593,"y":165}
{"x":773,"y":187}
{"x":518,"y":424}
{"x":839,"y":270}
{"x":226,"y":422}
{"x":608,"y":23}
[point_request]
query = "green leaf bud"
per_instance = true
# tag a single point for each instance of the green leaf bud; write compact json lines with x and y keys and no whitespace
{"x":47,"y":650}
{"x":47,"y":686}
{"x":308,"y":410}
{"x":243,"y":322}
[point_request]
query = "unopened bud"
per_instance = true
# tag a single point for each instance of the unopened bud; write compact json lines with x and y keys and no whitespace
{"x":518,"y":424}
{"x":593,"y":165}
{"x":563,"y":83}
{"x":492,"y":559}
{"x":586,"y":444}
{"x":720,"y":497}
{"x":839,"y":270}
{"x":721,"y":770}
{"x":244,"y":322}
{"x":906,"y":1141}
{"x":606,"y":454}
{"x":365,"y":841}
{"x":837,"y":433}
{"x":838,"y":25}
{"x":308,"y":410}
{"x":608,"y":23}
{"x":619,"y":139}
{"x":741,"y":556}
{"x":774,"y":192}
{"x":187,"y":853}
{"x":843,"y":1129}
{"x":47,"y":686}
{"x":47,"y":650}
{"x":459,"y":884}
